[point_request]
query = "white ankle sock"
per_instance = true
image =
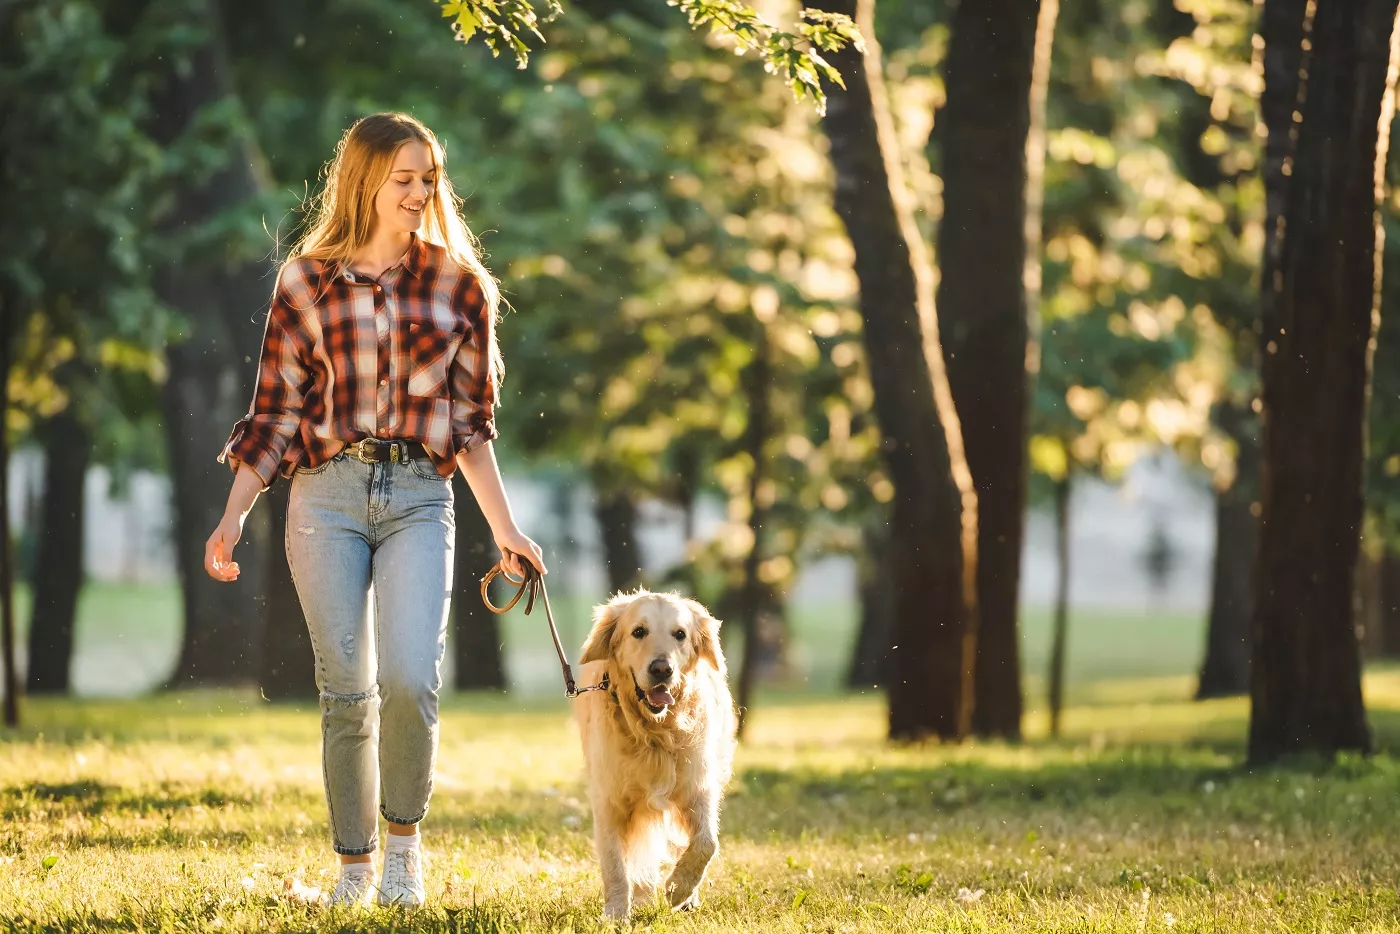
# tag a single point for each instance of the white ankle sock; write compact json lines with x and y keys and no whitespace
{"x":357,"y":869}
{"x":398,"y":842}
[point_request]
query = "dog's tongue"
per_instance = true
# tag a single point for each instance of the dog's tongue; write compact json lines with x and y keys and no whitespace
{"x":660,"y":697}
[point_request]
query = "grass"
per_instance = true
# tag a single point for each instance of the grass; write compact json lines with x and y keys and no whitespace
{"x":186,"y":812}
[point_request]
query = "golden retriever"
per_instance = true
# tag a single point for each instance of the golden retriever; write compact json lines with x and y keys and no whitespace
{"x":658,"y":745}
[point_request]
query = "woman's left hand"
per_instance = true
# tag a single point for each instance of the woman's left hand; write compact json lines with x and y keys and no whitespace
{"x":515,"y":545}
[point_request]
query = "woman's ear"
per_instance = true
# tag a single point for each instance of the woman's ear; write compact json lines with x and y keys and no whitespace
{"x":707,"y":637}
{"x":598,"y":646}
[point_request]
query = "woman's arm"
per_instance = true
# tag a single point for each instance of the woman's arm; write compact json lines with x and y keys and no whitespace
{"x":260,"y":440}
{"x":218,"y":551}
{"x":479,"y":467}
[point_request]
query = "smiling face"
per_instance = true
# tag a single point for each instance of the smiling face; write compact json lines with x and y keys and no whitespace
{"x":655,"y":640}
{"x":400,"y":203}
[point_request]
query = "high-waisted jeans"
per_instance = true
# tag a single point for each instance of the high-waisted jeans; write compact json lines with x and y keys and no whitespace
{"x":357,"y":531}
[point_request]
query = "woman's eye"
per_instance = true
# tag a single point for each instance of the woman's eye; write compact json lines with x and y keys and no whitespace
{"x":639,"y":633}
{"x":680,"y":635}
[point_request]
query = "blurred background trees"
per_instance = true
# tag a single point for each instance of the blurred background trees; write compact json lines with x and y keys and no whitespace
{"x":1028,"y":248}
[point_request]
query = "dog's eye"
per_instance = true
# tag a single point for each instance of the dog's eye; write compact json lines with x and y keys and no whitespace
{"x":680,"y":635}
{"x":639,"y":633}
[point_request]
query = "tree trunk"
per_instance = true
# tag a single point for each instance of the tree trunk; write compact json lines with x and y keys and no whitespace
{"x":1389,"y":588}
{"x":616,"y":513}
{"x":58,"y":570}
{"x":872,"y":658}
{"x":223,"y":302}
{"x":287,"y":669}
{"x":985,"y":247}
{"x":476,"y":633}
{"x":1060,"y":624}
{"x":9,"y":316}
{"x":757,"y":384}
{"x":1319,"y":324}
{"x":1225,"y":669}
{"x":933,"y":530}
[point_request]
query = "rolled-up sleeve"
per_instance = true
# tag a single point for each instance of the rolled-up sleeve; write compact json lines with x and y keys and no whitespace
{"x":261,"y":438}
{"x":473,"y":377}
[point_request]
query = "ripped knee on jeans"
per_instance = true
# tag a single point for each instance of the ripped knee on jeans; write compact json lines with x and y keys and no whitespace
{"x":333,"y":701}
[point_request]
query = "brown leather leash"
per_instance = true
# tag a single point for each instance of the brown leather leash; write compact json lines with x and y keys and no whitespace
{"x":531,"y":586}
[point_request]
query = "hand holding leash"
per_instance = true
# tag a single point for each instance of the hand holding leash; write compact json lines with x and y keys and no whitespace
{"x":517,"y":550}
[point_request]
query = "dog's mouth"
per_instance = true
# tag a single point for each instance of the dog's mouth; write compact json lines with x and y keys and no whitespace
{"x":657,"y":699}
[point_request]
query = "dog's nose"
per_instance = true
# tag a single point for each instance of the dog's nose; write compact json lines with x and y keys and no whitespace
{"x":660,"y":670}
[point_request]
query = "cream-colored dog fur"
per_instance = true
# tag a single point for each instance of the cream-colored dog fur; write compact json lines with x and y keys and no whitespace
{"x":657,"y":763}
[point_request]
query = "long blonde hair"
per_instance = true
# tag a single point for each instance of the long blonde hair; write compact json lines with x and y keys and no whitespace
{"x":341,"y":215}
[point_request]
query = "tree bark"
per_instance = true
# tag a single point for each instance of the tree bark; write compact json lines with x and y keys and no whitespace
{"x":1389,"y":588}
{"x":986,"y":245}
{"x":616,"y":513}
{"x":933,"y":530}
{"x":287,"y":668}
{"x":476,"y":633}
{"x":872,"y":658}
{"x":1225,"y":668}
{"x":1319,"y":325}
{"x":1060,"y":622}
{"x":9,"y":316}
{"x":757,"y":384}
{"x":58,"y":570}
{"x":223,"y":302}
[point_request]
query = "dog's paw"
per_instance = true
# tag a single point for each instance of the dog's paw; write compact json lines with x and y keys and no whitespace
{"x":616,"y":911}
{"x":690,"y":903}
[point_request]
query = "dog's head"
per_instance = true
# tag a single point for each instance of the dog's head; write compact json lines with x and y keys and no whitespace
{"x":654,"y":643}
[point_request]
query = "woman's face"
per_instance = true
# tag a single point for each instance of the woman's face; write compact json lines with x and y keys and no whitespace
{"x":401,"y":200}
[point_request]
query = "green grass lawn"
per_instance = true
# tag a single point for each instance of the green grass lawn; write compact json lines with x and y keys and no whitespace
{"x":187,"y":812}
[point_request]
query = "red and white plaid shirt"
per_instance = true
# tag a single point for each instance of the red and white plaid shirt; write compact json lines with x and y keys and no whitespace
{"x":403,"y":357}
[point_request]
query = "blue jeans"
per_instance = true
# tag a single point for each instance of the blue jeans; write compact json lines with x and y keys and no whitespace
{"x":356,"y":531}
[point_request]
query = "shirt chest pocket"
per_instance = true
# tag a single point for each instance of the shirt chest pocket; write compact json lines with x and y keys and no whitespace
{"x":430,"y":350}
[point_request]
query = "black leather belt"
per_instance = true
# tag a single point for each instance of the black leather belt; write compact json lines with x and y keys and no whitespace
{"x":375,"y":451}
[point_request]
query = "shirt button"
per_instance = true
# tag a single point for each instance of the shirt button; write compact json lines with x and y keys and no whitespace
{"x":377,"y":290}
{"x":383,"y":382}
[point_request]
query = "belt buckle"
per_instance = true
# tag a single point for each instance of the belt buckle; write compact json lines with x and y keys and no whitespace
{"x":359,"y":452}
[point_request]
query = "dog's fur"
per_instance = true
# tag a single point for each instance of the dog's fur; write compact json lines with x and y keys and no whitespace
{"x":655,"y":779}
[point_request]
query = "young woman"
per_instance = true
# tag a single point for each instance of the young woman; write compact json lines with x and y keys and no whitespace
{"x":377,"y":381}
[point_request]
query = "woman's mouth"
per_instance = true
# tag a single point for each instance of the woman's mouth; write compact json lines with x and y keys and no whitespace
{"x":415,"y":210}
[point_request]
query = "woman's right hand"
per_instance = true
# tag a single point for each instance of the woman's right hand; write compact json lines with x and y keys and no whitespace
{"x":218,"y":551}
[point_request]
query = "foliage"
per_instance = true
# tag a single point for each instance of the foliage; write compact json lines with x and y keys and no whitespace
{"x":76,"y":258}
{"x":1152,"y":232}
{"x":796,"y":57}
{"x":204,"y":805}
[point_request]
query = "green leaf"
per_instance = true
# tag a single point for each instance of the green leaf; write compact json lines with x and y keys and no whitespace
{"x":801,"y":897}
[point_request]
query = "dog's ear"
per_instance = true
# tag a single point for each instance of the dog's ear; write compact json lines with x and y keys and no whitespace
{"x":598,"y":646}
{"x":707,"y":637}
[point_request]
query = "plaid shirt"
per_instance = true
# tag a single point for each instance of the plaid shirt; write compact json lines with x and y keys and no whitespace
{"x":346,"y":357}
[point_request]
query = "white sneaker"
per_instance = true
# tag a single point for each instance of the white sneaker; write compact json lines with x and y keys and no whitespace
{"x":352,"y":890}
{"x":402,"y":881}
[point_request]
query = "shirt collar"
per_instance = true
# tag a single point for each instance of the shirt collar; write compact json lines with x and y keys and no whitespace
{"x":416,"y":256}
{"x":414,"y":259}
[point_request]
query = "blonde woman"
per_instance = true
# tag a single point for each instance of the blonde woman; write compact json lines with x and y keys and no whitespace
{"x":377,"y":381}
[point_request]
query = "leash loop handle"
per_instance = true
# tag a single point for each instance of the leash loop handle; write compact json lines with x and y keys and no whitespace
{"x":530,"y":585}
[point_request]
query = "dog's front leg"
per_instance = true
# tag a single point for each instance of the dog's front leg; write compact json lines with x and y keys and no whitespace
{"x":617,"y":888}
{"x":702,"y":819}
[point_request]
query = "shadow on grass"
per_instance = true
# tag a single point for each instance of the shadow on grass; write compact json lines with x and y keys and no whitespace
{"x":93,"y":798}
